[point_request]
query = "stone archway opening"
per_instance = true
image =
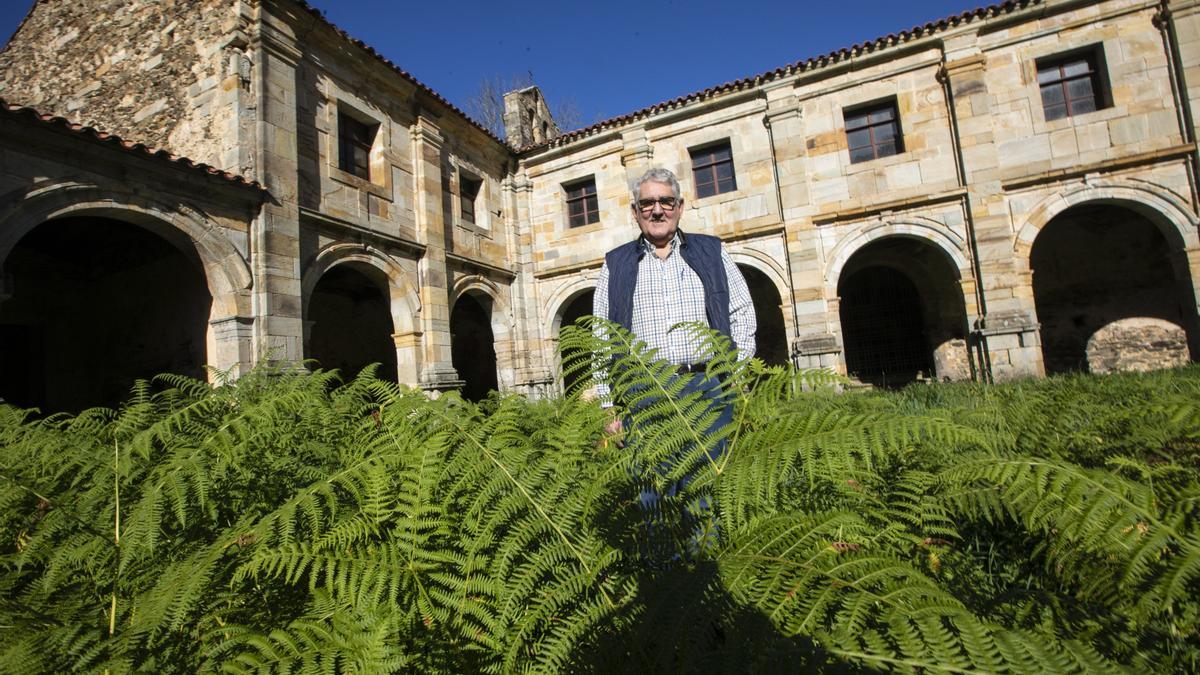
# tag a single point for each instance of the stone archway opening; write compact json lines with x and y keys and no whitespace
{"x":473,"y":345}
{"x":91,"y":304}
{"x":902,"y":314}
{"x":579,"y":306}
{"x":1109,"y":293}
{"x":771,"y":338}
{"x":350,"y":321}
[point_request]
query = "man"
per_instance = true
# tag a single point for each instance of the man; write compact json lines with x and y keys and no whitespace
{"x":663,"y":278}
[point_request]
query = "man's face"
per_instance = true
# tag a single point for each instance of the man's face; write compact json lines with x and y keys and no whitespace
{"x":658,"y":225}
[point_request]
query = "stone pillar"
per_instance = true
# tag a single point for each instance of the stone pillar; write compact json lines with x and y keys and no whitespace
{"x":1006,"y":330}
{"x":408,"y":357}
{"x":437,"y":372}
{"x":637,"y":154}
{"x":804,"y":308}
{"x":231,"y":344}
{"x":536,"y":353}
{"x":275,"y":233}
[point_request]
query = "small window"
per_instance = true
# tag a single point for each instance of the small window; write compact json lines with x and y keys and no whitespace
{"x":712,"y":170}
{"x":468,"y":191}
{"x":355,"y":139}
{"x":873,"y":131}
{"x":583,"y":208}
{"x":1073,"y":84}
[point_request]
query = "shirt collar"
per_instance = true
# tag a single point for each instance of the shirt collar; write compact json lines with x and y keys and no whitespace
{"x":646,"y":247}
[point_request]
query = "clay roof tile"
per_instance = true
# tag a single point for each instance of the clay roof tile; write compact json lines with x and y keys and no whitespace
{"x":64,"y":125}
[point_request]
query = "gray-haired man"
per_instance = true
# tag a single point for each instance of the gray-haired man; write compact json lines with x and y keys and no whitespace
{"x":666,"y":277}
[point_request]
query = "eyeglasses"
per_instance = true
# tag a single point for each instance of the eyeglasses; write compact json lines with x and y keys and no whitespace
{"x":667,"y":204}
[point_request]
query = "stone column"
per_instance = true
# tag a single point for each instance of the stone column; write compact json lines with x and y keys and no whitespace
{"x":275,"y":233}
{"x":1006,"y":332}
{"x":437,"y":369}
{"x":231,"y":345}
{"x":535,"y":368}
{"x":408,"y":357}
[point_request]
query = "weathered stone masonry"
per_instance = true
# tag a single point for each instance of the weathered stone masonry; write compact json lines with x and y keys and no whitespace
{"x":996,"y":240}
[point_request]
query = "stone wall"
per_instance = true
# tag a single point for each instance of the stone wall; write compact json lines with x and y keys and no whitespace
{"x":166,"y":73}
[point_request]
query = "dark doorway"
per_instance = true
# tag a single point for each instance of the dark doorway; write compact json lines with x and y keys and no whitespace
{"x":902,"y":313}
{"x":473,"y":347}
{"x":1094,"y":265}
{"x":771,"y":338}
{"x":96,"y":304}
{"x":351,"y":322}
{"x":579,"y":307}
{"x":883,"y":328}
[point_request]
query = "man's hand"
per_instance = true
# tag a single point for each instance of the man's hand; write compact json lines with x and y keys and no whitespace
{"x":614,"y":428}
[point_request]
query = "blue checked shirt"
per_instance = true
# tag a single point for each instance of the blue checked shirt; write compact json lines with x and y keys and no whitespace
{"x":668,"y":292}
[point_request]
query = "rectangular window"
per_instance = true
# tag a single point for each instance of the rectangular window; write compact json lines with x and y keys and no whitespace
{"x":1072,"y":84}
{"x":873,"y":131}
{"x":583,"y":208}
{"x":468,"y":191}
{"x":355,"y":139}
{"x":712,"y":170}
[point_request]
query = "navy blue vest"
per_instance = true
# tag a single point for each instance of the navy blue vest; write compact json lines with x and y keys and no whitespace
{"x":701,"y":252}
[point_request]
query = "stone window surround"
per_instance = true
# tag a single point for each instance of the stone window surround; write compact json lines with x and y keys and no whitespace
{"x":737,"y":154}
{"x":564,"y":215}
{"x":1106,"y":108}
{"x":873,"y":105}
{"x":459,"y":169}
{"x":707,"y":147}
{"x":567,"y":187}
{"x":380,"y":184}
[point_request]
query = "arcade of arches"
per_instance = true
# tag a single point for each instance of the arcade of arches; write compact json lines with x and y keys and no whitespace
{"x":350,"y":322}
{"x":902,"y":314}
{"x":1110,"y":292}
{"x":97,"y":303}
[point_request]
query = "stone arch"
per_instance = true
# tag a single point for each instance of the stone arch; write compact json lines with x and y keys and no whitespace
{"x":776,"y":329}
{"x":404,"y":304}
{"x":403,"y":299}
{"x":225,"y":271}
{"x":1161,"y":207}
{"x":1108,"y":266}
{"x":901,"y":308}
{"x":561,"y":301}
{"x":927,"y":229}
{"x":563,"y":296}
{"x":493,"y":298}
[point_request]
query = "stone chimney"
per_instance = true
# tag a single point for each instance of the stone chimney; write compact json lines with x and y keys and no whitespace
{"x":527,"y":118}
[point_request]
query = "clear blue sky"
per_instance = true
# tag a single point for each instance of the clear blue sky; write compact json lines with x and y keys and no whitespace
{"x":609,"y":57}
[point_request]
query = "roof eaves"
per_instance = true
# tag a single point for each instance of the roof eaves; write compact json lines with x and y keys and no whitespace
{"x":400,"y":71}
{"x":141,"y":149}
{"x":806,"y":65}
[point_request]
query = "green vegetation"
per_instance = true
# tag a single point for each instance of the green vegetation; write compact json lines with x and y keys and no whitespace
{"x":289,"y":522}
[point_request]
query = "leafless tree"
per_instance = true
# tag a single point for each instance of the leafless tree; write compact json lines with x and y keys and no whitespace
{"x":486,"y":105}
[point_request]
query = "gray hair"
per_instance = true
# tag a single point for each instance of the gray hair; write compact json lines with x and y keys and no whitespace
{"x":656,"y":175}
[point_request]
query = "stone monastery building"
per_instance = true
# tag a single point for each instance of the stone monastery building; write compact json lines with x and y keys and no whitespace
{"x":1008,"y":192}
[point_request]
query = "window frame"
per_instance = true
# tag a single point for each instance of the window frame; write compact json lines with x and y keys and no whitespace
{"x":349,"y":141}
{"x":865,"y":112}
{"x":590,"y":214}
{"x":1096,"y":74}
{"x":705,"y":165}
{"x":469,"y":189}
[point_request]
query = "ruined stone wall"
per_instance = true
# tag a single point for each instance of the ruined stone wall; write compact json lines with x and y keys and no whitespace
{"x":165,"y":73}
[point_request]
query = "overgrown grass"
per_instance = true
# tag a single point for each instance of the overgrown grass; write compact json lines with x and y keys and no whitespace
{"x":291,"y":522}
